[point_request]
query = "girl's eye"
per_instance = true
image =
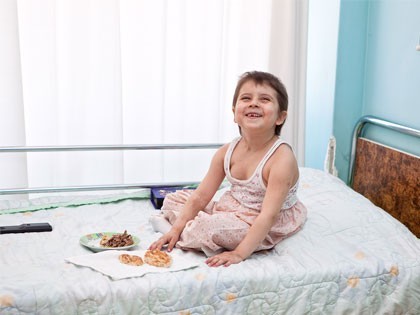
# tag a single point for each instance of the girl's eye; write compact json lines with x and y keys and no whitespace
{"x":245,"y":98}
{"x":265,"y":99}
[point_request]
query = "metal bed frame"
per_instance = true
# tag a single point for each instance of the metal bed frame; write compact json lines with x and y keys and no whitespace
{"x":358,"y":132}
{"x":24,"y":149}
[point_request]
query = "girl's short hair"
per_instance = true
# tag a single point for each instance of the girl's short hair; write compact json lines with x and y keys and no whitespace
{"x":260,"y":77}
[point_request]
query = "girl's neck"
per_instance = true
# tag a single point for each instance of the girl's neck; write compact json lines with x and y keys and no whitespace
{"x":257,"y":143}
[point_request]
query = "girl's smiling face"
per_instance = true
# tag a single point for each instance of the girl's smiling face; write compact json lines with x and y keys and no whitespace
{"x":257,"y":107}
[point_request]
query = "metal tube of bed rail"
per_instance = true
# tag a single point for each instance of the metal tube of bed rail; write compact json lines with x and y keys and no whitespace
{"x":110,"y":147}
{"x":358,"y":130}
{"x":15,"y":191}
{"x":12,"y":191}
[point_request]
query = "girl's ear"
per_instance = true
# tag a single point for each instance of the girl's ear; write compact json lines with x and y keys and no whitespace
{"x":282,"y":117}
{"x":233,"y":111}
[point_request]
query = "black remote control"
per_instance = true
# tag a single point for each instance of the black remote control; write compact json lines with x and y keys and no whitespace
{"x":26,"y":227}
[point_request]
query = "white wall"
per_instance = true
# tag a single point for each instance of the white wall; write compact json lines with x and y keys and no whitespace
{"x":321,"y":69}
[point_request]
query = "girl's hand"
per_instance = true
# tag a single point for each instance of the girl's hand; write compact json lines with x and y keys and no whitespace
{"x":169,"y":238}
{"x":226,"y":259}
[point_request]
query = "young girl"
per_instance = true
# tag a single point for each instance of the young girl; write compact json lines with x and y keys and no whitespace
{"x":261,"y":207}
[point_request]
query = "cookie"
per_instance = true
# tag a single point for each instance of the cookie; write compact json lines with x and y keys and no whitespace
{"x":132,"y":260}
{"x":157,"y":258}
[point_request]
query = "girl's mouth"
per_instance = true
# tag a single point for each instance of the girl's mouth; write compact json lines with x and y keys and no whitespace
{"x":253,"y":115}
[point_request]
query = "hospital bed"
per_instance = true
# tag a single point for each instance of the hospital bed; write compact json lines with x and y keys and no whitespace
{"x":358,"y":252}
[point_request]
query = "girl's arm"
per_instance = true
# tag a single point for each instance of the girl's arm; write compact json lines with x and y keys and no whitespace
{"x":205,"y":191}
{"x":198,"y":200}
{"x":281,"y":178}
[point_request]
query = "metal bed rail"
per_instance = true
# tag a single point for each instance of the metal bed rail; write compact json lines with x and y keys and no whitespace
{"x":26,"y":149}
{"x":358,"y":132}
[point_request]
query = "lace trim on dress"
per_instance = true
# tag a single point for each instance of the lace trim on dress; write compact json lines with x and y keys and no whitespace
{"x":291,"y":198}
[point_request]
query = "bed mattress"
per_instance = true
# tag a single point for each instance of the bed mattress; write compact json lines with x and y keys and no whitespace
{"x":351,"y":257}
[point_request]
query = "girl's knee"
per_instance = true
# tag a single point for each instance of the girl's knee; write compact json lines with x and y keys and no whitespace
{"x":228,"y":239}
{"x":176,"y":200}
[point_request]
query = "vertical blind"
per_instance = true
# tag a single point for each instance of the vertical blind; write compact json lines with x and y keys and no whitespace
{"x":136,"y":72}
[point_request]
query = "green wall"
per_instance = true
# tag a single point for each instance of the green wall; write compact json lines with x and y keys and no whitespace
{"x":378,"y":72}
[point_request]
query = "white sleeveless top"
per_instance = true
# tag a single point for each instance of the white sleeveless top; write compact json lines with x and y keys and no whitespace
{"x":250,"y":192}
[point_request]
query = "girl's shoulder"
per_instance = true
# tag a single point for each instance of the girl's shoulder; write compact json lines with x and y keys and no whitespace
{"x":219,"y":156}
{"x":225,"y":147}
{"x":285,"y":147}
{"x":284,"y":154}
{"x":283,"y":160}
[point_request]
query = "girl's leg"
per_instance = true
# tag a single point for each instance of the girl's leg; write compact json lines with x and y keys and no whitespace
{"x":172,"y":206}
{"x":213,"y":233}
{"x":159,"y":223}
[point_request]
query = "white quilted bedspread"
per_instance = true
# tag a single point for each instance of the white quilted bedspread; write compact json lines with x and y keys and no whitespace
{"x":350,"y":258}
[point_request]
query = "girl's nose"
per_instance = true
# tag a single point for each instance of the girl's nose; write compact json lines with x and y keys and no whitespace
{"x":254,"y":102}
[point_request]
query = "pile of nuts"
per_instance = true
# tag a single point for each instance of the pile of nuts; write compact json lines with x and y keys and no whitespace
{"x":117,"y":240}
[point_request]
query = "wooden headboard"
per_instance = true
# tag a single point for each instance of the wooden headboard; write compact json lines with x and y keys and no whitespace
{"x":392,"y":184}
{"x":390,"y":178}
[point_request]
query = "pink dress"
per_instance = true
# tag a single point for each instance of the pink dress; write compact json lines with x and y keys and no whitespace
{"x":223,"y":224}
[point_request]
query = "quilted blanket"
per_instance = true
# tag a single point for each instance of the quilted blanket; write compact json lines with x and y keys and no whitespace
{"x":351,"y":257}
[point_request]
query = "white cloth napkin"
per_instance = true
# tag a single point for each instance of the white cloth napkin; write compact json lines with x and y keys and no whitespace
{"x":107,"y":262}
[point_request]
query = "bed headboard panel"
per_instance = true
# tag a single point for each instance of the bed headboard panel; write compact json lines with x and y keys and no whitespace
{"x":388,"y":177}
{"x":392,"y":184}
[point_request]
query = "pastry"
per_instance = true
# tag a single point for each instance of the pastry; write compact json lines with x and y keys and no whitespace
{"x":157,"y":258}
{"x":132,"y":260}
